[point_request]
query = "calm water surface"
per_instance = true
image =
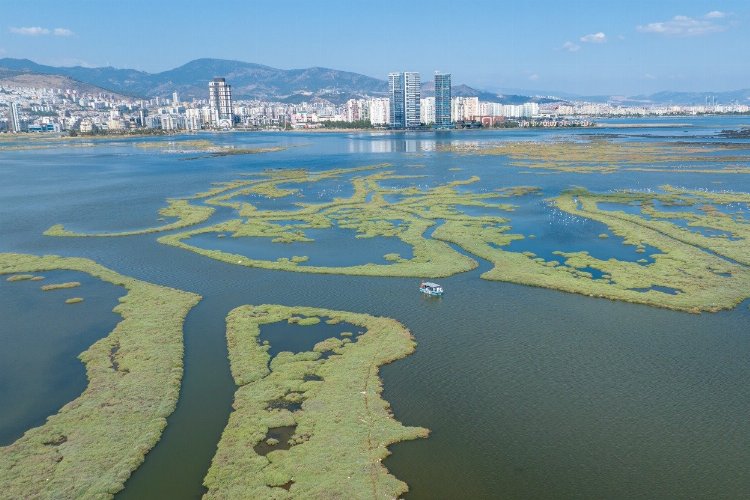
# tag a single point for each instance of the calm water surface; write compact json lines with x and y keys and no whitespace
{"x":529,"y":393}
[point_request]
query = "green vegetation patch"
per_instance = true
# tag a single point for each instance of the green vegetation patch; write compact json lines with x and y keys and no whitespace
{"x":60,"y":286}
{"x":606,"y":156}
{"x":691,"y":273}
{"x":92,"y":445}
{"x":333,"y":445}
{"x":204,"y":146}
{"x":20,"y":277}
{"x":314,"y":320}
{"x":74,"y":300}
{"x":366,"y":211}
{"x":186,"y":213}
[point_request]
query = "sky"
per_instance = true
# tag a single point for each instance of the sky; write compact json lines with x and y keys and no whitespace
{"x":625,"y":47}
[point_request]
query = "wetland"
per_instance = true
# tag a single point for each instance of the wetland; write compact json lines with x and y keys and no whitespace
{"x":619,"y":372}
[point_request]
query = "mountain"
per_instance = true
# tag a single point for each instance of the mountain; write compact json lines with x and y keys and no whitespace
{"x":123,"y":81}
{"x":668,"y":97}
{"x":12,"y":79}
{"x":251,"y":80}
{"x":665,"y":97}
{"x":428,"y":90}
{"x":248,"y":80}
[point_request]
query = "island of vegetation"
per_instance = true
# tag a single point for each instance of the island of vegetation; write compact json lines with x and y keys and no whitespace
{"x":92,"y":445}
{"x":695,"y":259}
{"x":368,"y":211}
{"x":603,"y":156}
{"x":60,"y":286}
{"x":185,"y":213}
{"x":692,"y":271}
{"x":311,"y":424}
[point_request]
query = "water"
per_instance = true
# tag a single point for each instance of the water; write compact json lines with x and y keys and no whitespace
{"x":528,"y":392}
{"x":323,"y":251}
{"x":285,"y":337}
{"x":41,"y":338}
{"x":548,"y":230}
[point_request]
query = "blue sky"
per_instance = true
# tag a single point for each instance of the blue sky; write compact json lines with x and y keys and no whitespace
{"x":585,"y":47}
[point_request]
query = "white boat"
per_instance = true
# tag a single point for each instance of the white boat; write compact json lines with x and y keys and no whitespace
{"x":430,"y":288}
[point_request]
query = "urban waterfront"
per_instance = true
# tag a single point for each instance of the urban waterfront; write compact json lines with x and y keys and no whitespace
{"x":527,"y":392}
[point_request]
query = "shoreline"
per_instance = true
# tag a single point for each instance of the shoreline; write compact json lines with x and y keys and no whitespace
{"x":36,"y":136}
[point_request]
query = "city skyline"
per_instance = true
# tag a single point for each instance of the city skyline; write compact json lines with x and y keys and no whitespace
{"x":587,"y":48}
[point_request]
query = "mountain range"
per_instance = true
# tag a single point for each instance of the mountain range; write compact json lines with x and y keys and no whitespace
{"x":250,"y":80}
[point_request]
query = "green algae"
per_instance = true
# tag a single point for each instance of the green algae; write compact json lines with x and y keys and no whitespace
{"x":92,"y":445}
{"x":339,"y":435}
{"x":74,"y":300}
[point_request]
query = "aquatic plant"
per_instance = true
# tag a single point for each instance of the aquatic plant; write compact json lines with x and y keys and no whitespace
{"x":92,"y":445}
{"x":74,"y":300}
{"x":342,"y":430}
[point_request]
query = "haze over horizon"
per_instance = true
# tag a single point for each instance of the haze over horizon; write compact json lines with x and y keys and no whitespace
{"x":585,"y":48}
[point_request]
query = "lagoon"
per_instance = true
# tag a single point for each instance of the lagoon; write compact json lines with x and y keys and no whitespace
{"x":528,"y":392}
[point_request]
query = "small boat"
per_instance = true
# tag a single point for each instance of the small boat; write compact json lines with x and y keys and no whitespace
{"x":429,"y":288}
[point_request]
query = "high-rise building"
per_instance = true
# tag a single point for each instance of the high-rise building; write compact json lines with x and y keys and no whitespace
{"x":412,"y":94}
{"x":405,"y":91}
{"x":220,"y":102}
{"x":443,"y":100}
{"x":175,"y":98}
{"x":396,"y":92}
{"x":15,"y":119}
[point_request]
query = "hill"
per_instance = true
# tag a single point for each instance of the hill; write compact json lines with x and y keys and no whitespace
{"x":250,"y":80}
{"x":12,"y":79}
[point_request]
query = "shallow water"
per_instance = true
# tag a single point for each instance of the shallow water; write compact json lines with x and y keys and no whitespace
{"x":529,"y":393}
{"x":549,"y":230}
{"x":325,"y":250}
{"x":294,"y":338}
{"x":41,"y":337}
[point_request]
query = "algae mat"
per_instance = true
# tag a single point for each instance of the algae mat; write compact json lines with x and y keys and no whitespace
{"x":93,"y":444}
{"x":332,"y":444}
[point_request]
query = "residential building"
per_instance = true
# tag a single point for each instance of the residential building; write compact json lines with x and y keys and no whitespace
{"x":357,"y":110}
{"x":465,"y":108}
{"x":443,"y":101}
{"x":220,"y":102}
{"x":380,"y":111}
{"x":427,"y":110}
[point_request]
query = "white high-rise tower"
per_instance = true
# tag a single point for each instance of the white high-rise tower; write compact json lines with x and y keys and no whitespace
{"x":220,"y":101}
